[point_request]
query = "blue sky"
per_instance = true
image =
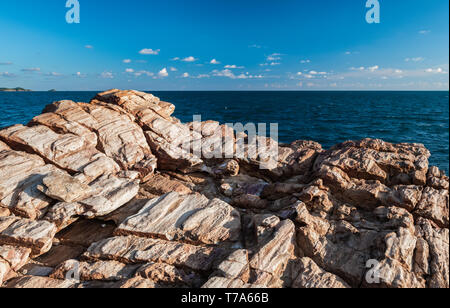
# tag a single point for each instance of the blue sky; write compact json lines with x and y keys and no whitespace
{"x":225,"y":45}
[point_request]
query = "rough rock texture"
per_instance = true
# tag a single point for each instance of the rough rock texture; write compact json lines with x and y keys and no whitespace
{"x":118,"y":193}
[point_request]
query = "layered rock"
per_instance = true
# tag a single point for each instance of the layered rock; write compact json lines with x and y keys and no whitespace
{"x":118,"y":193}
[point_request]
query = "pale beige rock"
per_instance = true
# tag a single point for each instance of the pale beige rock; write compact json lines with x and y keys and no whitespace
{"x":37,"y":235}
{"x":101,"y":270}
{"x":235,"y":266}
{"x":434,"y":205}
{"x":15,"y":167}
{"x":61,"y":186}
{"x":145,"y":107}
{"x":225,"y":283}
{"x":136,"y":283}
{"x":108,"y":194}
{"x":3,"y":147}
{"x":372,"y":159}
{"x":69,"y":152}
{"x":35,"y":282}
{"x":4,"y":212}
{"x":27,"y":200}
{"x":17,"y":257}
{"x":134,"y":250}
{"x":311,"y":276}
{"x":191,"y":218}
{"x":161,"y":273}
{"x":273,"y":256}
{"x":159,"y":185}
{"x":438,"y":250}
{"x":172,"y":157}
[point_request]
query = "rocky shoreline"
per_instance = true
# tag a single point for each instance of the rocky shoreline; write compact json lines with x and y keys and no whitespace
{"x":106,"y":193}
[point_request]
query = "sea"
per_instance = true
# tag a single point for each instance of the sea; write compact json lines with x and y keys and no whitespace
{"x":326,"y":117}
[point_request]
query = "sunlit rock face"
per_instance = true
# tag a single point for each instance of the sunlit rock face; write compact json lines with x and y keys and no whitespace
{"x":118,"y":193}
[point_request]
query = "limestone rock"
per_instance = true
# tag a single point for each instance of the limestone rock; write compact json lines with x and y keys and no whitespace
{"x":73,"y":153}
{"x":191,"y":218}
{"x":134,"y":250}
{"x":63,"y":187}
{"x":35,"y":282}
{"x":272,"y":258}
{"x":311,"y":276}
{"x":37,"y":235}
{"x":108,"y":194}
{"x":17,"y":257}
{"x":101,"y":270}
{"x":145,"y":107}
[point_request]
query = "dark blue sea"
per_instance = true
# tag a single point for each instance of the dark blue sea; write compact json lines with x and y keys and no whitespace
{"x":325,"y":117}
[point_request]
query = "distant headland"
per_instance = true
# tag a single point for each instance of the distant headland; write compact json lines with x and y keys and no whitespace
{"x":14,"y":90}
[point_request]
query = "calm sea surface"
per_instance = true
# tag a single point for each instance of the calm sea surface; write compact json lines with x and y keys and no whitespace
{"x":325,"y":117}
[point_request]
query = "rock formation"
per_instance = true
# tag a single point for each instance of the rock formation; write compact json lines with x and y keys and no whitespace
{"x":115,"y":193}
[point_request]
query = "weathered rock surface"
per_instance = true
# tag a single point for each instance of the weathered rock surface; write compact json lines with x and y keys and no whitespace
{"x":118,"y":193}
{"x":191,"y":218}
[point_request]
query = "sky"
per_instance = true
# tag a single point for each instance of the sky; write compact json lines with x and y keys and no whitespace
{"x":225,"y":45}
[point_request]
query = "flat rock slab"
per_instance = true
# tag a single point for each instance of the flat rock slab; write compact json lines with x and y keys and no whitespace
{"x":108,"y":194}
{"x":108,"y":126}
{"x":273,"y":255}
{"x":191,"y":218}
{"x":37,"y":235}
{"x":311,"y":276}
{"x":15,"y":167}
{"x":36,"y":282}
{"x":17,"y":257}
{"x":145,"y":107}
{"x":70,"y":152}
{"x":101,"y":270}
{"x":135,"y":250}
{"x":63,"y":187}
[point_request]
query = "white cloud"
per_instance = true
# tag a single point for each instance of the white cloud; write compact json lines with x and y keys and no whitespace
{"x":149,"y":51}
{"x":53,"y":74}
{"x":140,"y":73}
{"x":7,"y":74}
{"x":79,"y":75}
{"x":214,"y":61}
{"x":274,"y":57}
{"x":107,"y":75}
{"x":202,"y":76}
{"x":270,"y":64}
{"x":255,"y":46}
{"x":417,"y":59}
{"x":438,"y":70}
{"x":305,"y":61}
{"x":424,"y":32}
{"x":126,"y":61}
{"x":89,"y":47}
{"x":31,"y":69}
{"x":229,"y":74}
{"x":373,"y":68}
{"x":175,"y":59}
{"x":129,"y":70}
{"x":185,"y":75}
{"x":163,"y":73}
{"x":189,"y":59}
{"x":233,"y":67}
{"x":173,"y":69}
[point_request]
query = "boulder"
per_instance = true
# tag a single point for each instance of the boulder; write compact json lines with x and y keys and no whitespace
{"x":191,"y":218}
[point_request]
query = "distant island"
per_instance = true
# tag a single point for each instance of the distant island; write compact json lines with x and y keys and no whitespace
{"x":14,"y":90}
